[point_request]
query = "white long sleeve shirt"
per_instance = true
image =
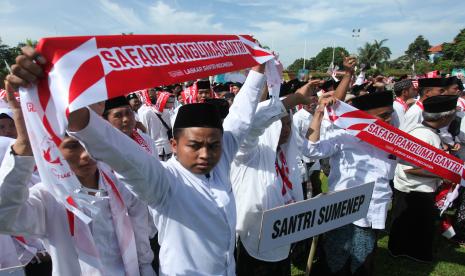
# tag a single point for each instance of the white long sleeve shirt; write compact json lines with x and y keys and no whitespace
{"x":34,"y":212}
{"x":354,"y":162}
{"x":155,"y":129}
{"x":194,"y":214}
{"x":256,"y":184}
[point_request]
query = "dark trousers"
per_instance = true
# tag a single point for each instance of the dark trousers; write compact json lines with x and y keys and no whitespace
{"x":247,"y":265}
{"x":413,"y":225}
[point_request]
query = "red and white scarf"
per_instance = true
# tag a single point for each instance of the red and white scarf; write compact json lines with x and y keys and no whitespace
{"x":282,"y":169}
{"x":394,"y":141}
{"x":141,"y":141}
{"x":461,"y":104}
{"x":89,"y":258}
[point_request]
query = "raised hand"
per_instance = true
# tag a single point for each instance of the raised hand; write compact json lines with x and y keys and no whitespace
{"x":27,"y":69}
{"x":349,"y":64}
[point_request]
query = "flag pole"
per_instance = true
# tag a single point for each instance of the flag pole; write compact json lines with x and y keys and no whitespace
{"x":305,"y":53}
{"x":311,"y":255}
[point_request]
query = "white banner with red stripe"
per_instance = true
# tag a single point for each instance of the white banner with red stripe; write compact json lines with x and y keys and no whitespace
{"x":396,"y":142}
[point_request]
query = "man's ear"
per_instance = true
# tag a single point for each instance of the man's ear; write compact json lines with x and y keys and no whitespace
{"x":174,"y":145}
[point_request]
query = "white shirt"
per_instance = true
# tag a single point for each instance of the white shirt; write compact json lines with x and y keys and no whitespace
{"x":413,"y":116}
{"x":398,"y":117}
{"x":406,"y":182}
{"x":36,"y":213}
{"x":354,"y":162}
{"x":256,"y":184}
{"x":8,"y":254}
{"x":194,"y":214}
{"x":155,"y":129}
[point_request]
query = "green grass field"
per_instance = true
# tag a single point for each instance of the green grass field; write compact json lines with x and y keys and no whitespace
{"x":449,"y":259}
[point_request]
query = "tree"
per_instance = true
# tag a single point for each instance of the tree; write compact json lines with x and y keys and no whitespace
{"x":299,"y":63}
{"x":8,"y":55}
{"x":418,"y":49}
{"x":374,"y":54}
{"x":455,"y":51}
{"x":324,"y":57}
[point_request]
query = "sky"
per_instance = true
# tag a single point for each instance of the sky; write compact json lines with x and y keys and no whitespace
{"x":293,"y":28}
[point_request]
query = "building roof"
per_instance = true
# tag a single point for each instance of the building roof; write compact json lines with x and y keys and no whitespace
{"x":435,"y":49}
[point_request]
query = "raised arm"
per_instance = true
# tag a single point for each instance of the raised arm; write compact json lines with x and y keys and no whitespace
{"x":313,"y":147}
{"x":341,"y":90}
{"x":20,"y":212}
{"x":239,"y":119}
{"x":267,"y":114}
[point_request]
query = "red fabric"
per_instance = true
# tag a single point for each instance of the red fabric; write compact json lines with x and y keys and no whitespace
{"x":162,"y":99}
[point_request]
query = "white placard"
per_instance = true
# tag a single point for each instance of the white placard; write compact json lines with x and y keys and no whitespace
{"x":311,"y":217}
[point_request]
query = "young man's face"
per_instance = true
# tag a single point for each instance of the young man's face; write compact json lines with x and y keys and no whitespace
{"x":452,"y":90}
{"x":7,"y":128}
{"x":135,"y":104}
{"x":170,"y":103}
{"x":123,"y":119}
{"x":235,"y":89}
{"x":412,"y":92}
{"x":77,"y":157}
{"x":382,"y":113}
{"x":198,"y":149}
{"x":202,"y":95}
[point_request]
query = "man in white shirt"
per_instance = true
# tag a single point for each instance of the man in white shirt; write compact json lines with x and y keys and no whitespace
{"x":350,"y":249}
{"x":191,"y":192}
{"x":158,"y":123}
{"x":404,"y":91}
{"x":265,"y":175}
{"x":310,"y":169}
{"x":414,"y":212}
{"x":119,"y":114}
{"x":427,"y":87}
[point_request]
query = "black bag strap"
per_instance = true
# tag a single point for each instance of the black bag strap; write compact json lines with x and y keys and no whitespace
{"x":163,"y":122}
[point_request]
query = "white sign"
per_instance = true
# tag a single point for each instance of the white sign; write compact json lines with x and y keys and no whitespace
{"x":298,"y":221}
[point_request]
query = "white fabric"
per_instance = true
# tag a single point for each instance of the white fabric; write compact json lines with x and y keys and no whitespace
{"x":398,"y":117}
{"x":256,"y":184}
{"x":150,"y":143}
{"x":405,"y":182}
{"x":194,"y":214}
{"x":35,"y":212}
{"x":354,"y":162}
{"x":8,"y":254}
{"x":155,"y":129}
{"x":413,"y":116}
{"x":301,"y":121}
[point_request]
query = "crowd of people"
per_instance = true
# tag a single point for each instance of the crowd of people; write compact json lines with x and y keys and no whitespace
{"x":176,"y":178}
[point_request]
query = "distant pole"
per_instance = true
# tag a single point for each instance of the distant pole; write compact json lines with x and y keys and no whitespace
{"x":334,"y":49}
{"x":305,"y":53}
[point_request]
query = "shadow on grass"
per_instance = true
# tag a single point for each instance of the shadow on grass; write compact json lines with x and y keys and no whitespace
{"x":449,"y":260}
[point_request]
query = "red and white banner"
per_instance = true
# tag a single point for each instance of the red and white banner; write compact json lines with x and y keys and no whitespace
{"x":396,"y":142}
{"x":90,"y":69}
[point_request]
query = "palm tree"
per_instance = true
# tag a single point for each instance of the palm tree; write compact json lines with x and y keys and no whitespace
{"x":374,"y":54}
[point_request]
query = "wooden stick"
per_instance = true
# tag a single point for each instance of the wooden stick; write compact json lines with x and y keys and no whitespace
{"x":311,"y":255}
